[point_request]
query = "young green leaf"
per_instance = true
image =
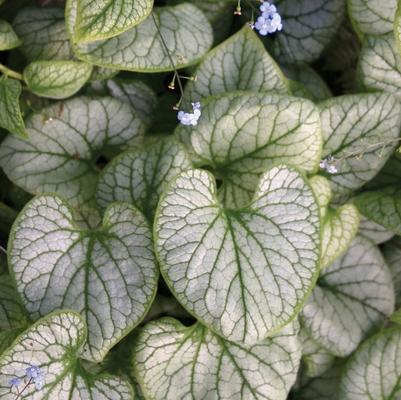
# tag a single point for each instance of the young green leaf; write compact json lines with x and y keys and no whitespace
{"x":241,"y":134}
{"x":43,"y":34}
{"x":239,"y":63}
{"x":174,"y":361}
{"x":383,"y":207}
{"x":245,"y":273}
{"x":53,"y":345}
{"x":12,"y":314}
{"x":374,"y":371}
{"x":339,"y":229}
{"x":353,"y":295}
{"x":141,"y":48}
{"x":379,"y":66}
{"x":360,"y":132}
{"x":140,"y":176}
{"x":108,"y":274}
{"x":8,"y":38}
{"x":66,"y":140}
{"x":97,"y":20}
{"x":308,"y":27}
{"x":56,"y":79}
{"x":10,"y":113}
{"x":373,"y":17}
{"x":339,"y":225}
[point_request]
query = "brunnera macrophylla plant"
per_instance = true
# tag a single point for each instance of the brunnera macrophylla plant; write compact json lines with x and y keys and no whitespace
{"x":199,"y":201}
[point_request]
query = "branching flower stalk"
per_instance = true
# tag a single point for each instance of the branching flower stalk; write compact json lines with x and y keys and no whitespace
{"x":10,"y":73}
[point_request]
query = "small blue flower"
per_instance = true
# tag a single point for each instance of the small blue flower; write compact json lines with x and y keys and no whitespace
{"x":36,"y":374}
{"x":15,"y":381}
{"x":269,"y":21}
{"x":190,"y":118}
{"x":328,"y":164}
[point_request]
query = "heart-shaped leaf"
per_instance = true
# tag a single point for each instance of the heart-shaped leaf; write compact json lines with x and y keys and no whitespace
{"x":8,"y":38}
{"x":383,"y":207}
{"x":175,"y":361}
{"x":373,"y":17}
{"x":240,"y":135}
{"x":240,"y":63}
{"x":66,"y":140}
{"x":379,"y":65}
{"x":51,"y":347}
{"x":43,"y":34}
{"x":360,"y":132}
{"x":353,"y":295}
{"x":109,"y":274}
{"x":12,"y":314}
{"x":308,"y":27}
{"x":374,"y":371}
{"x":141,"y":48}
{"x":140,"y":176}
{"x":10,"y":113}
{"x":375,"y":232}
{"x":56,"y":79}
{"x":103,"y":19}
{"x":133,"y":92}
{"x":245,"y":273}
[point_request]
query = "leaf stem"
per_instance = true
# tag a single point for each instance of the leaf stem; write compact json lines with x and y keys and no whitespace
{"x":176,"y":74}
{"x":9,"y":72}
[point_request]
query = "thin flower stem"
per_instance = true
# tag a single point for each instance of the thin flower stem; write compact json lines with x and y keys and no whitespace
{"x":23,"y":389}
{"x":366,"y":149}
{"x":9,"y":72}
{"x":171,"y":60}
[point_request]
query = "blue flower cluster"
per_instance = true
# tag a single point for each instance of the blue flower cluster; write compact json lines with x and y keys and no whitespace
{"x":269,"y":20}
{"x":34,"y":374}
{"x":190,"y":118}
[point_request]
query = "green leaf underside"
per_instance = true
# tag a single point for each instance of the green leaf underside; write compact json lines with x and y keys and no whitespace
{"x":135,"y":93}
{"x":12,"y":314}
{"x":65,"y":142}
{"x":141,"y":49}
{"x":109,"y":275}
{"x":373,"y":17}
{"x":245,"y":273}
{"x":353,"y":295}
{"x":10,"y":114}
{"x":317,"y":360}
{"x":361,"y":131}
{"x":53,"y":345}
{"x":139,"y":177}
{"x":174,"y":361}
{"x":240,"y":135}
{"x":8,"y":38}
{"x":239,"y":63}
{"x":103,"y":19}
{"x":339,"y":229}
{"x":379,"y":65}
{"x":383,"y":207}
{"x":56,"y":79}
{"x":374,"y":371}
{"x":375,"y":232}
{"x":43,"y":34}
{"x":308,"y":27}
{"x":392,"y":255}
